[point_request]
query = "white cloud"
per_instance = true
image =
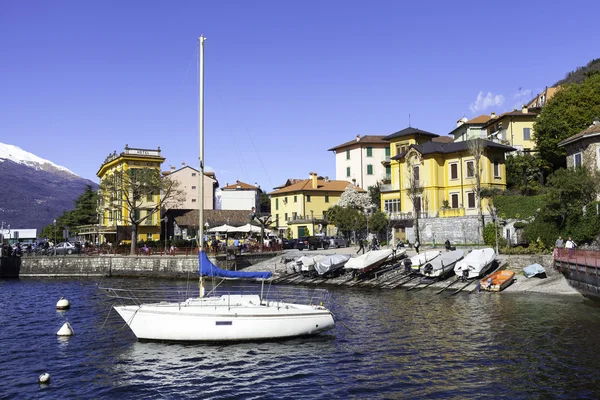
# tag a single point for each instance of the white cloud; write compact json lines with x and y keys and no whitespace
{"x":484,"y":102}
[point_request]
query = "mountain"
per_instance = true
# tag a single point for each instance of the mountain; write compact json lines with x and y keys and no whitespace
{"x":34,"y":190}
{"x":580,"y":73}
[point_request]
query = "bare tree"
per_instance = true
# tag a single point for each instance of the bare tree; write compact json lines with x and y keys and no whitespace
{"x":128,"y":192}
{"x":414,"y":188}
{"x":476,"y":150}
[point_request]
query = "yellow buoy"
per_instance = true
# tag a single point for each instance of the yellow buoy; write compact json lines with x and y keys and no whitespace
{"x":63,"y":304}
{"x":65,"y":330}
{"x":44,"y":378}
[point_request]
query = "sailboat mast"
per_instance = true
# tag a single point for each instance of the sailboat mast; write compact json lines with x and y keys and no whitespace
{"x":201,"y":40}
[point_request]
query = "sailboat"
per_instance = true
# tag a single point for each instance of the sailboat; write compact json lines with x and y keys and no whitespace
{"x":221,"y":317}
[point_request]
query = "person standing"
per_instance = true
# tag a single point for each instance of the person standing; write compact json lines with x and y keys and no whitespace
{"x":417,"y":244}
{"x":570,"y":245}
{"x":559,"y":246}
{"x":361,"y":246}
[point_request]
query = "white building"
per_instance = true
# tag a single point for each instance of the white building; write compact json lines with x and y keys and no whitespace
{"x":240,"y":196}
{"x":189,"y":179}
{"x":360,"y":161}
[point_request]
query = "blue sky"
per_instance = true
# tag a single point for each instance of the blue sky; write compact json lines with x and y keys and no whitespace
{"x":285,"y":80}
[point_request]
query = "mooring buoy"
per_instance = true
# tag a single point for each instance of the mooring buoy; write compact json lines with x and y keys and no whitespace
{"x":65,"y":330}
{"x":63,"y":304}
{"x":44,"y":378}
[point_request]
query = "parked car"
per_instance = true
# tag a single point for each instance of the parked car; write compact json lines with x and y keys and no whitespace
{"x":315,"y":242}
{"x":338,"y":241}
{"x":66,"y":248}
{"x":286,"y":244}
{"x":301,"y":243}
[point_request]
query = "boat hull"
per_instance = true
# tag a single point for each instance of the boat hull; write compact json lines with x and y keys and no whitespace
{"x":443,"y":265}
{"x":477,"y":263}
{"x":225,"y":318}
{"x":499,"y":281}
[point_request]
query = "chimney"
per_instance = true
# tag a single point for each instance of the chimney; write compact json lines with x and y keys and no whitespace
{"x":524,"y":109}
{"x":313,"y":178}
{"x":354,"y":181}
{"x":493,"y":115}
{"x":461,"y":121}
{"x":183,"y":164}
{"x":358,"y":138}
{"x":172,"y":168}
{"x":326,"y":179}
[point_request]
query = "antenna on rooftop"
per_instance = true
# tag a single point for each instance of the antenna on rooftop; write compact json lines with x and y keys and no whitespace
{"x":409,"y":120}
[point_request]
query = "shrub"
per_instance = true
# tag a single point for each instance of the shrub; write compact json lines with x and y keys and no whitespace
{"x":520,"y":225}
{"x":523,"y":206}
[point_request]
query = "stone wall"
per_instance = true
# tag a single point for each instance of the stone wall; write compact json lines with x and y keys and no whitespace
{"x":461,"y":230}
{"x":128,"y":266}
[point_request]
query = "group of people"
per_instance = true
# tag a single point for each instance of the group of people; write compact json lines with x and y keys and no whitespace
{"x":374,"y":245}
{"x":570,"y":245}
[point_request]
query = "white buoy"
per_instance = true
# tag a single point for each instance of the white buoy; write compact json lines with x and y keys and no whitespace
{"x":63,"y":304}
{"x":44,"y":378}
{"x":65,"y":330}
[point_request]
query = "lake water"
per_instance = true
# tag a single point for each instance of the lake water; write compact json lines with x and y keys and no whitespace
{"x":402,"y":345}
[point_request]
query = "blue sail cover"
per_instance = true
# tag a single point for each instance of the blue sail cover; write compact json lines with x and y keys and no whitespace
{"x":207,"y":268}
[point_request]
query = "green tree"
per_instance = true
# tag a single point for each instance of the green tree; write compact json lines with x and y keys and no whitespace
{"x":346,"y":219}
{"x":265,"y":203}
{"x":378,"y":222}
{"x":571,"y":110}
{"x":375,"y":195}
{"x":524,"y":173}
{"x":128,"y":191}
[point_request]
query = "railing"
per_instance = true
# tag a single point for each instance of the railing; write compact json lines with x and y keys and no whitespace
{"x":400,"y":215}
{"x":306,"y":218}
{"x":452,"y":212}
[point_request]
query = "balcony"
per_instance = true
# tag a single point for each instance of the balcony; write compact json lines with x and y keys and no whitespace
{"x":452,"y":212}
{"x":301,"y":219}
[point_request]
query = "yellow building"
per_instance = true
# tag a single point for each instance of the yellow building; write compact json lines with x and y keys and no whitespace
{"x":113,"y":216}
{"x":438,"y":176}
{"x":514,"y":128}
{"x":300,"y":205}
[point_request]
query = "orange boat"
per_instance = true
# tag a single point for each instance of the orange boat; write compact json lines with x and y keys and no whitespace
{"x":497,"y":281}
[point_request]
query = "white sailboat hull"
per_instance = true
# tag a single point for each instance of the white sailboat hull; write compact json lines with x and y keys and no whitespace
{"x":422,"y":258}
{"x":225,"y":318}
{"x":477,"y":263}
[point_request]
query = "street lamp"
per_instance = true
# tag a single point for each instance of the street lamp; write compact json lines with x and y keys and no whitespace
{"x":166,"y":219}
{"x":54,"y":222}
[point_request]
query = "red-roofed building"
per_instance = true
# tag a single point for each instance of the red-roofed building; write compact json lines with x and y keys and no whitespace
{"x":240,"y":196}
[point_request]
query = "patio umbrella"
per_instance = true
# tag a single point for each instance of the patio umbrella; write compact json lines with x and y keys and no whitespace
{"x":223,"y":228}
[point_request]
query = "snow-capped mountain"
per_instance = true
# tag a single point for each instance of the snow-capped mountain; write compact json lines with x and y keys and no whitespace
{"x":20,"y":156}
{"x":34,"y":191}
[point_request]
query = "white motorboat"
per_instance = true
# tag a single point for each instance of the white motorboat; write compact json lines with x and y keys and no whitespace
{"x":475,"y":264}
{"x":442,"y":265}
{"x":418,"y":260}
{"x":330,"y":264}
{"x":306,"y":265}
{"x":220,"y":317}
{"x":368,"y":261}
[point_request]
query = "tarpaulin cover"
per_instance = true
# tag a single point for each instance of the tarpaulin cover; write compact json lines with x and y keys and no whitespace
{"x":207,"y":268}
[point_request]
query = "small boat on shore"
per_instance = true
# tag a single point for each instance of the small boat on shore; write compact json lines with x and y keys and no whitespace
{"x":417,"y":261}
{"x":534,"y":270}
{"x":442,"y":265}
{"x":497,"y":281}
{"x":475,"y":264}
{"x":368,"y":261}
{"x":328,"y":265}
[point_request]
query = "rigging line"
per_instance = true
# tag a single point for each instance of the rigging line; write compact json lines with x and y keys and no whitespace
{"x":237,"y":148}
{"x":259,"y":158}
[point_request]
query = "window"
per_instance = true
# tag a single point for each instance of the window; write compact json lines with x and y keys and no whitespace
{"x":416,"y":174}
{"x":454,"y":171}
{"x":193,"y":174}
{"x":370,"y":169}
{"x":193,"y":187}
{"x":391,"y":206}
{"x":149,"y":197}
{"x":347,"y":154}
{"x":277,"y":204}
{"x":326,"y":199}
{"x":388,"y":172}
{"x":454,"y":200}
{"x":496,"y":169}
{"x":470,"y":169}
{"x":286,"y":216}
{"x":193,"y":200}
{"x":526,"y":133}
{"x":308,"y":198}
{"x":471,"y":199}
{"x":347,"y":172}
{"x":577,"y":160}
{"x":295,"y":199}
{"x":417,"y":205}
{"x":369,"y":152}
{"x":387,"y":152}
{"x":294,"y":215}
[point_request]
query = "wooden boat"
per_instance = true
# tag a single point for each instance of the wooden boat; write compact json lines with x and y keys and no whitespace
{"x":442,"y":265}
{"x":417,"y":261}
{"x":368,"y":261}
{"x":498,"y":281}
{"x":534,"y":270}
{"x":475,"y":264}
